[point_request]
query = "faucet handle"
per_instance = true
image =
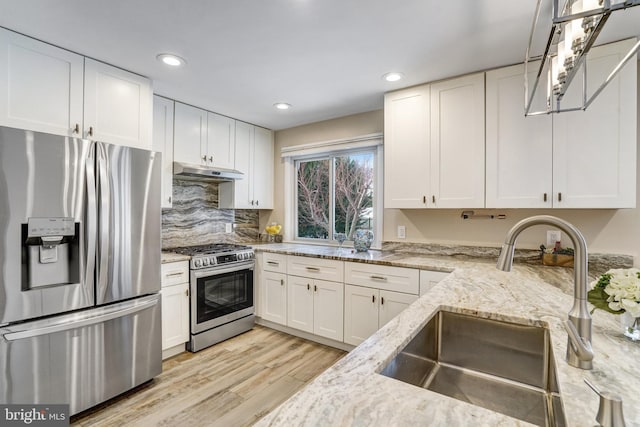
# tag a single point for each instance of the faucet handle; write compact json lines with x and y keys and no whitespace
{"x":610,"y":409}
{"x":580,"y":346}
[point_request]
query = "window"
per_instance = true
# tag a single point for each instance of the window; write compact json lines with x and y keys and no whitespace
{"x":334,"y":195}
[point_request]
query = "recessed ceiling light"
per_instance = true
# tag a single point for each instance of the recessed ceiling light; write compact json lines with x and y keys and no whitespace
{"x":282,"y":105}
{"x":393,"y":77}
{"x":170,"y":59}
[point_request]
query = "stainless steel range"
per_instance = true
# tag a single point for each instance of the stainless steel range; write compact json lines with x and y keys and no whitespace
{"x":221,"y":289}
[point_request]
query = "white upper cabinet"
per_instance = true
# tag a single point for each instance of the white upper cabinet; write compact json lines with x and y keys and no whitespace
{"x":406,"y":148}
{"x":457,"y":142}
{"x":48,"y":89}
{"x":190,"y":130}
{"x":118,"y":106}
{"x":221,"y":140}
{"x":594,"y":158}
{"x":434,"y":145}
{"x":163,"y":142}
{"x":40,"y":86}
{"x":519,"y":148}
{"x":254,"y":158}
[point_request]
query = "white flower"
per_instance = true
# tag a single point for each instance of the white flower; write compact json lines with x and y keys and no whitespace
{"x":624,"y":290}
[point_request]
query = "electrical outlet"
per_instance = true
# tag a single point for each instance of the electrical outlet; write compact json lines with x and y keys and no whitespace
{"x":228,"y":227}
{"x":402,"y":232}
{"x":553,"y":236}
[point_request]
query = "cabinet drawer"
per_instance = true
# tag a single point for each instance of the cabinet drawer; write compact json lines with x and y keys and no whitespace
{"x":174,"y":273}
{"x":317,"y":268}
{"x":274,"y":262}
{"x":398,"y":279}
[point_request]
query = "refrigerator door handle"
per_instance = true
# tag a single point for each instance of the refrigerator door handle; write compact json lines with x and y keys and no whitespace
{"x":104,"y":197}
{"x":129,"y":309}
{"x":91,"y":221}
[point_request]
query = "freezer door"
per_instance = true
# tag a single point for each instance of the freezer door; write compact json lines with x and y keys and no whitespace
{"x":43,"y":180}
{"x":129,"y":225}
{"x":83,"y":358}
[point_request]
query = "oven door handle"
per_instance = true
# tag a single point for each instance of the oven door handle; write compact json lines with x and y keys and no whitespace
{"x":207,"y":272}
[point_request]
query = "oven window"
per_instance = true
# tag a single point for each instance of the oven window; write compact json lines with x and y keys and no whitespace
{"x":221,"y":294}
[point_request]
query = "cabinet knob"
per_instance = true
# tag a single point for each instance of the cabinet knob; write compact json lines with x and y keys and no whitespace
{"x":76,"y":129}
{"x":252,"y":203}
{"x":257,"y":201}
{"x":373,"y":298}
{"x":545,"y":197}
{"x":281,"y":282}
{"x":308,"y":287}
{"x":204,"y":157}
{"x":90,"y":130}
{"x":186,"y":292}
{"x":424,"y":199}
{"x":381,"y":300}
{"x":169,"y":199}
{"x":315,"y":288}
{"x":559,"y":197}
{"x":433,"y":199}
{"x":211,"y":159}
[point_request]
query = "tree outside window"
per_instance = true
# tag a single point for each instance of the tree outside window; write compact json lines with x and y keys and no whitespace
{"x":335,"y":195}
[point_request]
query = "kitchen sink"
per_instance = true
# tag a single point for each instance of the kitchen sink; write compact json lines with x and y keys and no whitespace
{"x":502,"y":366}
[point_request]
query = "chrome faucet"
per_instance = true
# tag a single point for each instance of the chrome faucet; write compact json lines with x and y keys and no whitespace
{"x":579,"y":351}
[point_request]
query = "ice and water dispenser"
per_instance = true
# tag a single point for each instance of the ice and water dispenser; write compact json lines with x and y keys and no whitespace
{"x":51,"y":252}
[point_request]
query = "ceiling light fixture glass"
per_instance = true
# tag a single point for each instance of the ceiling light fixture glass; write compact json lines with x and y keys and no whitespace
{"x":393,"y":76}
{"x":171,"y":59}
{"x":282,"y":105}
{"x":573,"y":32}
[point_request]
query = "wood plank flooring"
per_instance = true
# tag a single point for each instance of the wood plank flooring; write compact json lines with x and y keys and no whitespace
{"x":234,"y":383}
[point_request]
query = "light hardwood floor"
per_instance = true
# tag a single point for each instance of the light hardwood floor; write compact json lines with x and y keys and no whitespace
{"x":234,"y":383}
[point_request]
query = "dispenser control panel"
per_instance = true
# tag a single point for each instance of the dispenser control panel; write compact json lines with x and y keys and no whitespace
{"x":42,"y":227}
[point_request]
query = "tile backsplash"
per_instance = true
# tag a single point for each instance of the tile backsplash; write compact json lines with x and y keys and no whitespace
{"x":196,"y":220}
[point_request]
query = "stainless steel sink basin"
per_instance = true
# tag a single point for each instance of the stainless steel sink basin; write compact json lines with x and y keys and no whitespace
{"x":501,"y":366}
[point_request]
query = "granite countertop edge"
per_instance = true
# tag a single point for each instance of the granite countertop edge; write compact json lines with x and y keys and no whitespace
{"x":351,"y":392}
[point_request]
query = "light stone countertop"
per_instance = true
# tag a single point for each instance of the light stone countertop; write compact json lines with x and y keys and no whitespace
{"x":352,"y":393}
{"x":173,"y":257}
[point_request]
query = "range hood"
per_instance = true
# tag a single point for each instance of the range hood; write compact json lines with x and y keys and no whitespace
{"x":204,"y":173}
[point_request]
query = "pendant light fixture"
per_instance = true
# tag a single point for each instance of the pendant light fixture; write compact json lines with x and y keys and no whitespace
{"x":574,"y":30}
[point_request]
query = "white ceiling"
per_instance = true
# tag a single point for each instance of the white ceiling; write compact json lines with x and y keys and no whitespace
{"x":325,"y":57}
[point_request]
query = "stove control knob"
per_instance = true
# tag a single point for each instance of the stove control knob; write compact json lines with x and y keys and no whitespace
{"x":205,"y":262}
{"x":250,"y":255}
{"x":197,"y":263}
{"x":212,"y":261}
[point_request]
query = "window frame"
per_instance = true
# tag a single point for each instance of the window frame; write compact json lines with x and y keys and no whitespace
{"x":328,"y":150}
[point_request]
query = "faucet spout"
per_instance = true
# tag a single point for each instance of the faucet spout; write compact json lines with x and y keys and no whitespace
{"x":579,"y":353}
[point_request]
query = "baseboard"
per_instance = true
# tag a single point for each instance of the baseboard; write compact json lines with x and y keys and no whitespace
{"x":172,"y":351}
{"x":305,"y":335}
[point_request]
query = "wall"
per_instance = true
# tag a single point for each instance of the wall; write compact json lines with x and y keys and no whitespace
{"x":606,"y":230}
{"x":196,"y":220}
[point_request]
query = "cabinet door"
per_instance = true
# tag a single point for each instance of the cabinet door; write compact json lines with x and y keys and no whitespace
{"x":328,"y":305}
{"x":243,"y":188}
{"x":594,"y":158}
{"x":40,"y":86}
{"x":221,"y":140}
{"x":118,"y":106}
{"x":190,"y":130}
{"x":262,"y":174}
{"x":457,"y":142}
{"x":163,"y":142}
{"x":519,"y":148}
{"x":300,"y":303}
{"x":392,"y":304}
{"x":360,"y":313}
{"x":175,"y":315}
{"x":274,"y":297}
{"x":406,"y":148}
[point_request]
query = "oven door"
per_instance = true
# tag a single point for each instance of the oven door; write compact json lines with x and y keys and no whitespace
{"x":220,"y":295}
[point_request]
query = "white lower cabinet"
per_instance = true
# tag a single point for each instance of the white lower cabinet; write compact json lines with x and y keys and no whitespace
{"x":428,"y":279}
{"x":315,"y":306}
{"x":174,"y":295}
{"x":274,"y":297}
{"x":367,"y":309}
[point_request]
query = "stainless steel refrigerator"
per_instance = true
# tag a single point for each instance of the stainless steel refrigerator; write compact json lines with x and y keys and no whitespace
{"x":79,"y":269}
